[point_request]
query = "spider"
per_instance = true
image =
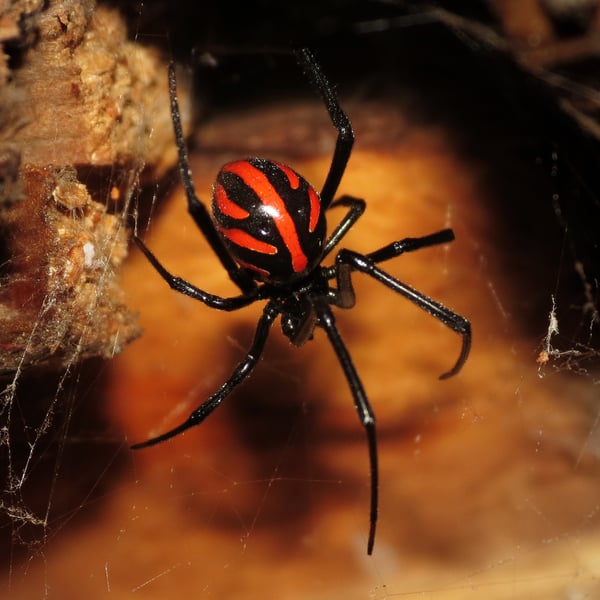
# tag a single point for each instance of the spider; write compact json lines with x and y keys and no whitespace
{"x":268,"y":230}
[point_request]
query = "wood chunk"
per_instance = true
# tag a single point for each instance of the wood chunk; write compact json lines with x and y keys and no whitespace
{"x":84,"y":113}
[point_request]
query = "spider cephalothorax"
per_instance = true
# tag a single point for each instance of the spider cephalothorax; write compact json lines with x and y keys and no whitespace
{"x":268,"y":230}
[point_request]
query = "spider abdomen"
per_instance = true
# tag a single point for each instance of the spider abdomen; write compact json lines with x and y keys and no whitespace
{"x":270,"y":218}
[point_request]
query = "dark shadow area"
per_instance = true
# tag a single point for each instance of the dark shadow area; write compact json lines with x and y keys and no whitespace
{"x":271,"y":424}
{"x":60,"y":457}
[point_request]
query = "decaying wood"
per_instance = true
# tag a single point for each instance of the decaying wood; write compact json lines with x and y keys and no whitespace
{"x":84,"y":112}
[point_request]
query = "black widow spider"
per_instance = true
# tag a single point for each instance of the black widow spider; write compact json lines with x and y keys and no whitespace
{"x":268,"y":230}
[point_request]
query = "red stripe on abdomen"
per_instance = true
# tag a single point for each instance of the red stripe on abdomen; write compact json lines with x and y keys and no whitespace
{"x":256,"y":180}
{"x":227,"y":206}
{"x":291,"y":175}
{"x":315,"y":209}
{"x":245,"y":240}
{"x":315,"y":203}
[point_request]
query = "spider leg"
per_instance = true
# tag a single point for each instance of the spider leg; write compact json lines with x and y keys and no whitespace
{"x":395,"y":248}
{"x":196,"y":208}
{"x":410,"y":245}
{"x":182,"y":286}
{"x":243,"y":369}
{"x":361,"y":402}
{"x":348,"y":261}
{"x":340,"y":120}
{"x":356,"y":209}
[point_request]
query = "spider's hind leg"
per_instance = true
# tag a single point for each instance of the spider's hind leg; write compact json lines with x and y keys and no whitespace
{"x":240,"y":373}
{"x":348,"y":261}
{"x":361,"y":403}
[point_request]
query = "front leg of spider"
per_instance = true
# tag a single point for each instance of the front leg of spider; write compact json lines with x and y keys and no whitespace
{"x":267,"y":228}
{"x":196,"y":208}
{"x":185,"y":287}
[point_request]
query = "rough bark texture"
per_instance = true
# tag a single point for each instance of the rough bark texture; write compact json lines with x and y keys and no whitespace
{"x":83,"y":113}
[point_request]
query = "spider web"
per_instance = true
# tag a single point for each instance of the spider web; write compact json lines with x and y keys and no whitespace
{"x":39,"y":413}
